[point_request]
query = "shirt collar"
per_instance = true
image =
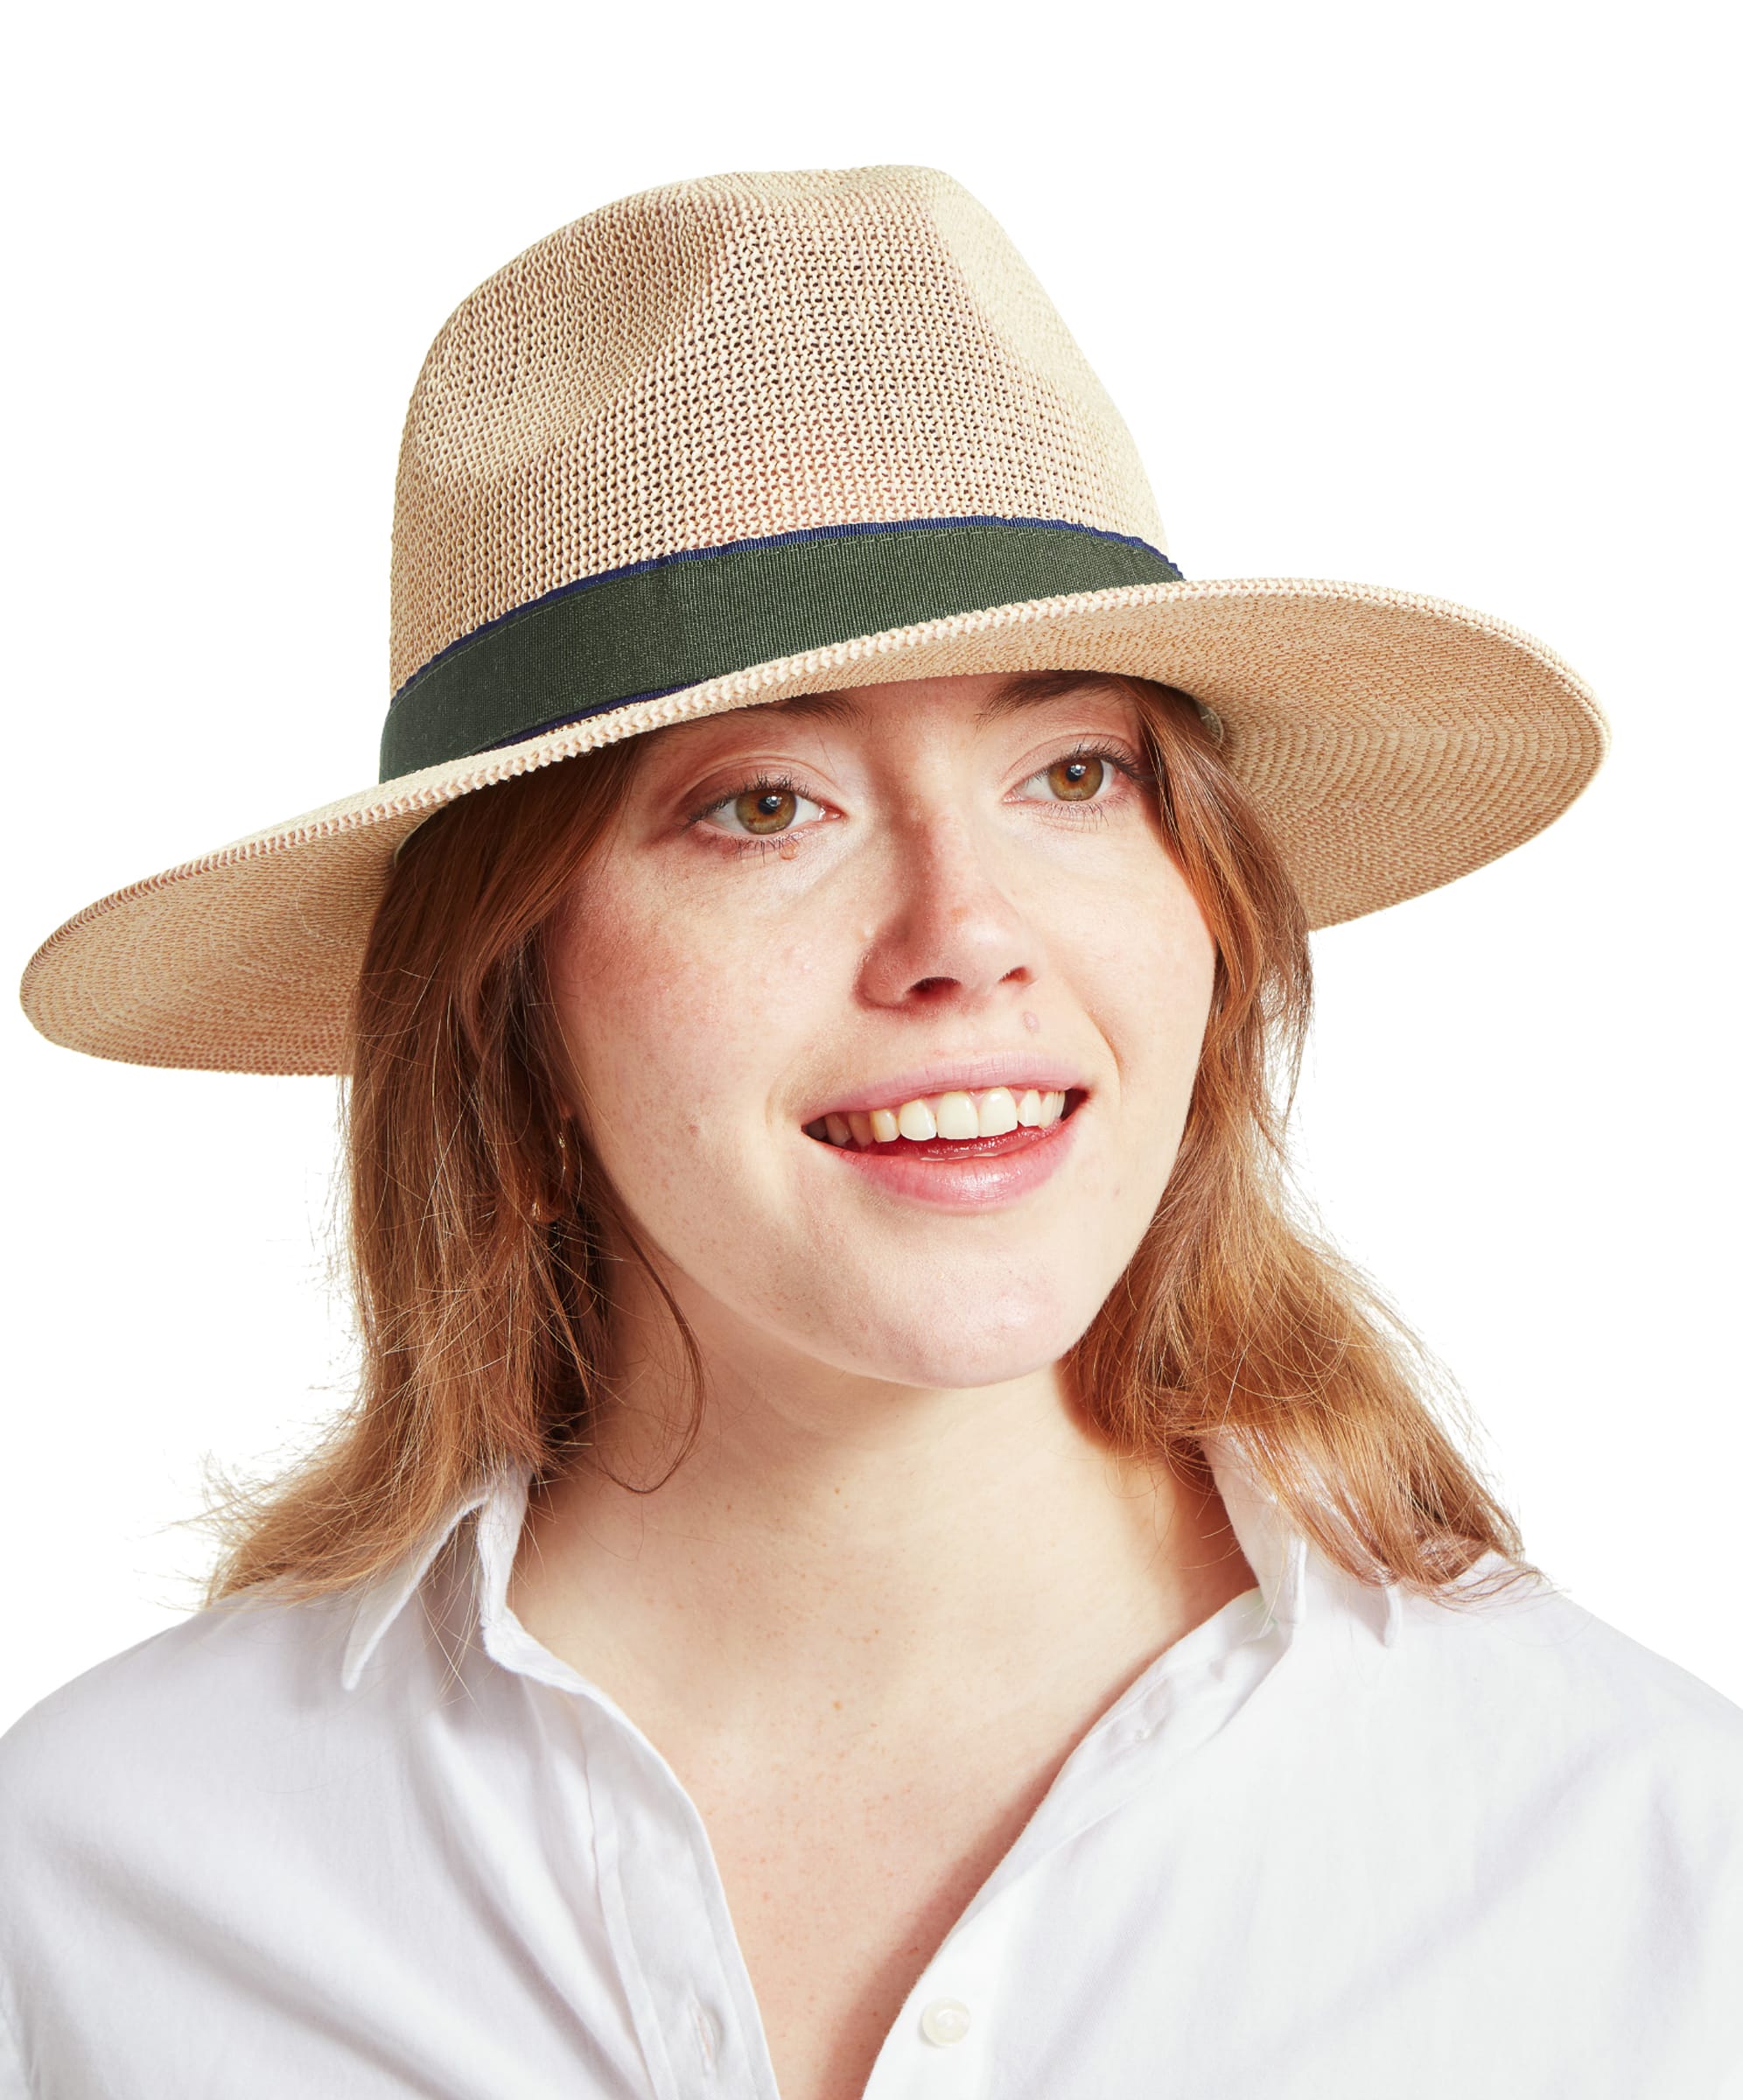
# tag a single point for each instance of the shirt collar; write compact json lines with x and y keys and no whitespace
{"x":1290,"y":1573}
{"x":386,"y":1596}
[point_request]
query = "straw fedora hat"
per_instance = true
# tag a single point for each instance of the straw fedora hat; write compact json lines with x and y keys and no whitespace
{"x":762,"y":434}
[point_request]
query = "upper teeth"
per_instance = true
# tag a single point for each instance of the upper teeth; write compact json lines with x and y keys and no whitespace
{"x":956,"y":1114}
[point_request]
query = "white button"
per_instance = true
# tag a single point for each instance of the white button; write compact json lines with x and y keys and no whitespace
{"x":944,"y":2020}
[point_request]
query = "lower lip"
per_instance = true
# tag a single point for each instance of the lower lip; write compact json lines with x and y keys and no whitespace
{"x":977,"y":1173}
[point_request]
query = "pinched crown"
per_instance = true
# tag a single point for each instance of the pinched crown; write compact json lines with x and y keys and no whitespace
{"x":733,"y":360}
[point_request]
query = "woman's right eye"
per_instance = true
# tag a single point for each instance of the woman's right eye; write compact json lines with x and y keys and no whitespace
{"x":762,"y":809}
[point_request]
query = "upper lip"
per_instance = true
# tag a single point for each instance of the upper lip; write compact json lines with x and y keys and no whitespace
{"x":966,"y":1075}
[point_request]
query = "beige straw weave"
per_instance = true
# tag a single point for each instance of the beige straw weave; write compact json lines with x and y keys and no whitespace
{"x":729,"y":359}
{"x":756,"y":355}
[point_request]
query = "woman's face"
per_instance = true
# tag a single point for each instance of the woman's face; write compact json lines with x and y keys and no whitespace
{"x":855,"y":902}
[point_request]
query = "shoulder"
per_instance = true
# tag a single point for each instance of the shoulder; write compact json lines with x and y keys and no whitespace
{"x":223,"y":1699}
{"x":1536,"y":1639}
{"x":1546,"y":1686}
{"x":280,"y":1648}
{"x":220,"y":1804}
{"x":1516,"y":1763}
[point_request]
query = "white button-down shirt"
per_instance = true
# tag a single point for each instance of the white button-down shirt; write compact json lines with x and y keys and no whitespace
{"x":1336,"y":1844}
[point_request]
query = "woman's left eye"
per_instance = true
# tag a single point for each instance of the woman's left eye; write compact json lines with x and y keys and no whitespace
{"x":764,"y":809}
{"x":1080,"y":777}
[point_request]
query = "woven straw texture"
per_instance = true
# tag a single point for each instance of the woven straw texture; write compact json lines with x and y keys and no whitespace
{"x":755,"y":355}
{"x":733,"y":358}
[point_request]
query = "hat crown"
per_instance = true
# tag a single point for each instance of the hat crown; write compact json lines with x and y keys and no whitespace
{"x":735,"y":359}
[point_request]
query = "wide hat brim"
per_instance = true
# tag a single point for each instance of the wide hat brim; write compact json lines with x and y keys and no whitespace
{"x":1392,"y":742}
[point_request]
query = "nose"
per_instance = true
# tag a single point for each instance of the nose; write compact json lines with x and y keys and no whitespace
{"x":946,"y":927}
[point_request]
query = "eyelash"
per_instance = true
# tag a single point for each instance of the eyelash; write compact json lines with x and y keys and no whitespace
{"x":783,"y":783}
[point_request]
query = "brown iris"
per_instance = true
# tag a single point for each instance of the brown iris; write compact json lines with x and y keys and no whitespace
{"x":1077,"y":780}
{"x":768,"y":810}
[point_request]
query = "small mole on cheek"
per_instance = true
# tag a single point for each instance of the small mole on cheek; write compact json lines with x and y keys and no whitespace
{"x":1031,"y":1021}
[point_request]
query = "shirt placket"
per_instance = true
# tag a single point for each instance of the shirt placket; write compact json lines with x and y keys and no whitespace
{"x":944,"y":2043}
{"x":663,"y":1902}
{"x":688,"y":1991}
{"x":939,"y":2047}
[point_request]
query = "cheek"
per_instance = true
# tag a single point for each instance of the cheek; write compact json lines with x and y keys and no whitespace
{"x":634,"y":1014}
{"x":1149,"y":981}
{"x":678,"y":1028}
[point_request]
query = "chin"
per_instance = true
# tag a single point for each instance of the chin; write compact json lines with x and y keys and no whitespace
{"x":974,"y":1353}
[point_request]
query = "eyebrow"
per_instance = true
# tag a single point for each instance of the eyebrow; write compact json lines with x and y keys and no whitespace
{"x":1022,"y":689}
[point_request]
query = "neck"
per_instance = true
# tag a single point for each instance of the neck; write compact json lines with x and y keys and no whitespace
{"x":833,"y":1544}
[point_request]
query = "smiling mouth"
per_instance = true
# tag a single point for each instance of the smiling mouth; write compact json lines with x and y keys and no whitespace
{"x":956,"y":1125}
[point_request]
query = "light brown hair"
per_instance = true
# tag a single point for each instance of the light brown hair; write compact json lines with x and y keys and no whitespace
{"x":478,"y":1222}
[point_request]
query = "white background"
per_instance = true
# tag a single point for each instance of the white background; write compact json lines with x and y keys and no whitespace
{"x":1433,"y":297}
